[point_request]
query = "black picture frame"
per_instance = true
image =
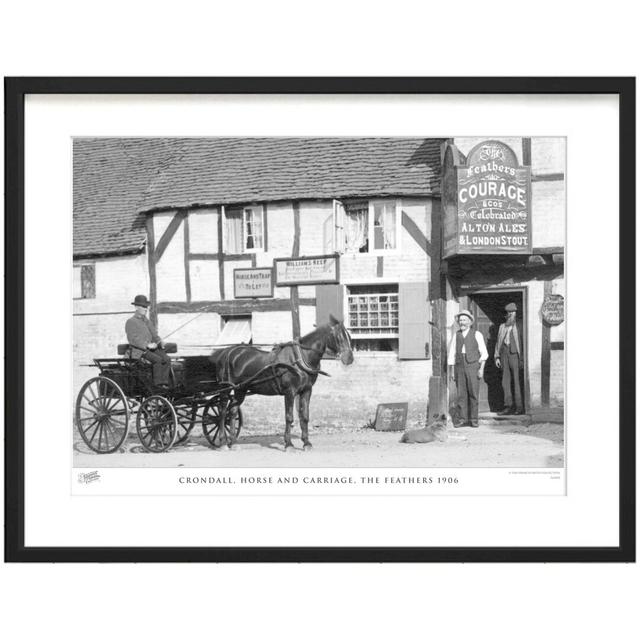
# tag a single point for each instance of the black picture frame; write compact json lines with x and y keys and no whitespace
{"x":16,"y":89}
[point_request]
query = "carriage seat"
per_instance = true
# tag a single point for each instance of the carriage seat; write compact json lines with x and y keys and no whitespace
{"x":125,"y":349}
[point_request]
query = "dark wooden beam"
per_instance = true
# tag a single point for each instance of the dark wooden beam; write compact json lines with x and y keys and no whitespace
{"x":265,"y":228}
{"x":187,"y":270}
{"x":545,"y":358}
{"x":226,"y":307}
{"x":414,"y":231}
{"x":557,"y":346}
{"x":168,"y":234}
{"x":220,"y":254}
{"x":526,"y":152}
{"x":380,"y":266}
{"x":548,"y":177}
{"x":547,"y":250}
{"x":295,"y":253}
{"x":153,"y":313}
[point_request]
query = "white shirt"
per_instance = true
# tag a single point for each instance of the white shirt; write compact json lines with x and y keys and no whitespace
{"x":451,"y":359}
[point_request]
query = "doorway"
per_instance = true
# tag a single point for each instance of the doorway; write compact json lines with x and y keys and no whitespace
{"x":488,"y":309}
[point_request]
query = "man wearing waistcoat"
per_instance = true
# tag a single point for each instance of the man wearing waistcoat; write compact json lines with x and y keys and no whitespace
{"x":508,"y":356}
{"x":146,"y":343}
{"x":467,"y":355}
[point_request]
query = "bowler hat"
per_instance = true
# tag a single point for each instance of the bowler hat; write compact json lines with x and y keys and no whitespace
{"x":141,"y":301}
{"x":511,"y":307}
{"x":465,"y":313}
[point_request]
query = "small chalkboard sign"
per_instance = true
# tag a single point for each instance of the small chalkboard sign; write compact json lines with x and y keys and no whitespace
{"x":391,"y":416}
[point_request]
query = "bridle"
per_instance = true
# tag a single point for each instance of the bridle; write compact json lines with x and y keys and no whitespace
{"x":298,"y":348}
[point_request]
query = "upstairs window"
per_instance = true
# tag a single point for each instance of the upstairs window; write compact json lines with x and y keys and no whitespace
{"x":244,"y":232}
{"x":84,"y":281}
{"x":356,"y":227}
{"x":369,"y":226}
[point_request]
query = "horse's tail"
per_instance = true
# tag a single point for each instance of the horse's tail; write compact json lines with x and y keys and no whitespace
{"x":220,"y":360}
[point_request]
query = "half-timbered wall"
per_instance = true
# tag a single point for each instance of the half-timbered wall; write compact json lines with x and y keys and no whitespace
{"x":98,"y":322}
{"x":194,"y":273}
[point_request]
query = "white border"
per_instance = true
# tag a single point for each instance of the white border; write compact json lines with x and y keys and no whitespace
{"x":587,"y":516}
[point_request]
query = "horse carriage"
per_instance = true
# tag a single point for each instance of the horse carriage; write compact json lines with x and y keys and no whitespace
{"x":204,"y":390}
{"x":163,"y":417}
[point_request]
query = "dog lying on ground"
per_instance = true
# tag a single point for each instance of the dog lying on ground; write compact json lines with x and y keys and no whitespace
{"x":437,"y":430}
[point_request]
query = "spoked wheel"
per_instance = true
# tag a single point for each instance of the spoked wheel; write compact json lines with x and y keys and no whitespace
{"x":221,"y":422}
{"x":102,"y":415}
{"x":157,"y":424}
{"x":186,"y":421}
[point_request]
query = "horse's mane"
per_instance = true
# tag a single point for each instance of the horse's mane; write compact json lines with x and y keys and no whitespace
{"x":320,"y":331}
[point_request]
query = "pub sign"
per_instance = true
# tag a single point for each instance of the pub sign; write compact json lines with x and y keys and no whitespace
{"x":307,"y":270}
{"x":487,"y":201}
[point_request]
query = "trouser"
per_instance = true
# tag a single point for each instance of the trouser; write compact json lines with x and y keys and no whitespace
{"x":468,"y":384}
{"x":511,"y":375}
{"x":161,"y":365}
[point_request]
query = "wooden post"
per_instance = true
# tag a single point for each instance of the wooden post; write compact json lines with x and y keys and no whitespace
{"x":221,"y":252}
{"x":151,"y":258}
{"x":545,"y":364}
{"x":295,"y":253}
{"x":437,"y":399}
{"x":526,"y":152}
{"x":187,"y":274}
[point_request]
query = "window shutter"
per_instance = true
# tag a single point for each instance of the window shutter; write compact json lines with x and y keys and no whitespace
{"x":329,"y":300}
{"x":413,"y":319}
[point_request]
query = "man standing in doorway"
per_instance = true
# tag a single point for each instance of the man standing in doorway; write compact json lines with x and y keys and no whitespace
{"x":467,"y":355}
{"x":508,"y":356}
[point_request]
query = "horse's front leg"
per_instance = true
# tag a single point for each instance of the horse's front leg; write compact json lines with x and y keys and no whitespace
{"x":288,"y":416}
{"x":303,"y":412}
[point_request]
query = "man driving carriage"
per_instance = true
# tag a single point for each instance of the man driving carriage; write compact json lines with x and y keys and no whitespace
{"x":145,"y":342}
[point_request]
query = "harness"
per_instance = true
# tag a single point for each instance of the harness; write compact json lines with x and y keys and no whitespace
{"x":300,"y":360}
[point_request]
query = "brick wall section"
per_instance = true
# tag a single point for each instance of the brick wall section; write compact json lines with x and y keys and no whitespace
{"x":350,"y":396}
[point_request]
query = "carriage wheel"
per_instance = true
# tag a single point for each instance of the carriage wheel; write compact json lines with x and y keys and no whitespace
{"x":221,"y":422}
{"x":102,"y":415}
{"x":186,"y":421}
{"x":157,"y":424}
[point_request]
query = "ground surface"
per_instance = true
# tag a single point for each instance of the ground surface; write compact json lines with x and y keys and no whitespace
{"x":494,"y":444}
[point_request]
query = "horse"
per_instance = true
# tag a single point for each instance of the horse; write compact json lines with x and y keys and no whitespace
{"x":289,"y":370}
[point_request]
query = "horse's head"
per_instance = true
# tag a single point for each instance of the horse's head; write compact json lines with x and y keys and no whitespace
{"x":340,"y":340}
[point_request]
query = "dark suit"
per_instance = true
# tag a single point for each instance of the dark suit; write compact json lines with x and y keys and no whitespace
{"x":510,"y":350}
{"x":140,"y":332}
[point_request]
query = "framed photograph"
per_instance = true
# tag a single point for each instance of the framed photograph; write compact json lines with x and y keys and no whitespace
{"x":320,"y":319}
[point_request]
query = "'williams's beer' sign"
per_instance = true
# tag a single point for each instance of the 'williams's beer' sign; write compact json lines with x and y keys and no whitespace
{"x":487,"y":201}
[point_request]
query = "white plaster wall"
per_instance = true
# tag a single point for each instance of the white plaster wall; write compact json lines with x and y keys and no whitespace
{"x":194,"y":338}
{"x":203,"y":231}
{"x":548,"y":214}
{"x":548,"y":155}
{"x":118,"y":281}
{"x":270,"y":327}
{"x":170,"y":279}
{"x":205,"y":280}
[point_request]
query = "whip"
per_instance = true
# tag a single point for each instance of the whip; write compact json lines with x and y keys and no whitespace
{"x":184,"y":324}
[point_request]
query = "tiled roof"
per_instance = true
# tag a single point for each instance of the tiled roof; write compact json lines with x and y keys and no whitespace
{"x":110,"y":176}
{"x":118,"y":179}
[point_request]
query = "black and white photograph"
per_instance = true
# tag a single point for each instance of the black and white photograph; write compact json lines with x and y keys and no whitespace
{"x":318,"y":302}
